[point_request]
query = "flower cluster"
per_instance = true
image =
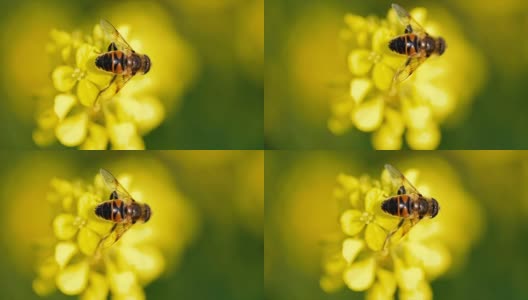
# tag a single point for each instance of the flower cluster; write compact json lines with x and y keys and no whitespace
{"x":408,"y":264}
{"x":75,"y":264}
{"x":417,"y":106}
{"x":74,"y":117}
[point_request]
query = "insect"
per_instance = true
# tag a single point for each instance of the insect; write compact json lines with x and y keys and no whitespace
{"x":409,"y":204}
{"x":417,"y":44}
{"x":121,"y":209}
{"x":120,"y":59}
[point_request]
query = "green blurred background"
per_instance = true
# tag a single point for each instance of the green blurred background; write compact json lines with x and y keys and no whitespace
{"x":301,"y":214}
{"x":220,"y":256}
{"x":213,"y":100}
{"x":304,"y":58}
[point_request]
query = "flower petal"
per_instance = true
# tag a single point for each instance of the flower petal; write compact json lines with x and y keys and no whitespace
{"x":97,"y":138}
{"x":122,"y":282}
{"x":84,"y":55}
{"x":359,"y":87}
{"x":330,"y":284}
{"x":73,"y":279}
{"x":373,"y":200}
{"x":63,"y":104}
{"x":418,"y":117}
{"x":424,"y":139}
{"x":63,"y":79}
{"x":43,"y":287}
{"x":97,"y":289}
{"x":88,"y":241}
{"x":387,"y":280}
{"x":359,"y":62}
{"x":375,"y":236}
{"x":63,"y":226}
{"x":87,"y":92}
{"x":147,"y":113}
{"x":382,"y":76}
{"x":409,"y":278}
{"x":422,"y":292}
{"x":385,"y":139}
{"x":435,"y":259}
{"x":351,"y":223}
{"x":64,"y":251}
{"x":72,"y":131}
{"x":124,"y":136}
{"x":369,"y":115}
{"x":351,"y":248}
{"x":148,"y":262}
{"x":86,"y":205}
{"x":360,"y":275}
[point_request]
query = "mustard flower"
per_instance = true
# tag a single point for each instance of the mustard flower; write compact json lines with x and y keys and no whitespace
{"x":73,"y":118}
{"x":419,"y":105}
{"x":360,"y":263}
{"x":76,"y":266}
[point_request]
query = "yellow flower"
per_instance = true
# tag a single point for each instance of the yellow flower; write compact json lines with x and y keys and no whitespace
{"x":72,"y":118}
{"x":416,"y":107}
{"x":75,"y":266}
{"x":409,"y":263}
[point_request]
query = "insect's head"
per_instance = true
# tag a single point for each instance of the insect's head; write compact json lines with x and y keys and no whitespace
{"x":146,"y":213}
{"x":441,"y":45}
{"x":146,"y":64}
{"x":435,"y":207}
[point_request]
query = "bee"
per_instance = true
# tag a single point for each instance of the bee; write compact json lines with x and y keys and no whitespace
{"x":120,"y":59}
{"x":121,"y":209}
{"x":409,"y":204}
{"x":417,"y":44}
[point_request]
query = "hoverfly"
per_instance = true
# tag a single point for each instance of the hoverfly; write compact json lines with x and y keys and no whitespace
{"x":415,"y":43}
{"x":120,"y":59}
{"x":409,"y":204}
{"x":121,"y":209}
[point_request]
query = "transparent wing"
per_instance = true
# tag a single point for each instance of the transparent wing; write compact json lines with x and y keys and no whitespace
{"x":117,"y":232}
{"x":114,"y":185}
{"x":406,"y":70}
{"x":406,"y":19}
{"x":121,"y":81}
{"x":114,"y":35}
{"x":398,"y":179}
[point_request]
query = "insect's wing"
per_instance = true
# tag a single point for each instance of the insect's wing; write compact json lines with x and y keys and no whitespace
{"x":114,"y":35}
{"x":121,"y":81}
{"x":398,"y":179}
{"x":114,"y":236}
{"x":114,"y":185}
{"x":410,"y":65}
{"x":406,"y":19}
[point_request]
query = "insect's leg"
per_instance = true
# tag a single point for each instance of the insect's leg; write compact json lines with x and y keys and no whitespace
{"x":113,"y":47}
{"x":101,"y":91}
{"x":113,"y":196}
{"x":401,"y":190}
{"x":390,"y":234}
{"x":408,"y":29}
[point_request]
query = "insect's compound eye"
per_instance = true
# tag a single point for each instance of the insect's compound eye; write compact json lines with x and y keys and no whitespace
{"x":147,"y":213}
{"x":435,"y":207}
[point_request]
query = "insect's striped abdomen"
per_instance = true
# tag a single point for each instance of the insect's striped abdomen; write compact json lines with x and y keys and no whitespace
{"x":405,"y":44}
{"x":113,"y":61}
{"x":111,"y":210}
{"x":397,"y":206}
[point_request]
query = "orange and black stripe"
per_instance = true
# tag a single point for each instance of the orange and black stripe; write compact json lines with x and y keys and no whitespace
{"x":112,"y":61}
{"x":405,"y":44}
{"x":111,"y":210}
{"x":398,"y":206}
